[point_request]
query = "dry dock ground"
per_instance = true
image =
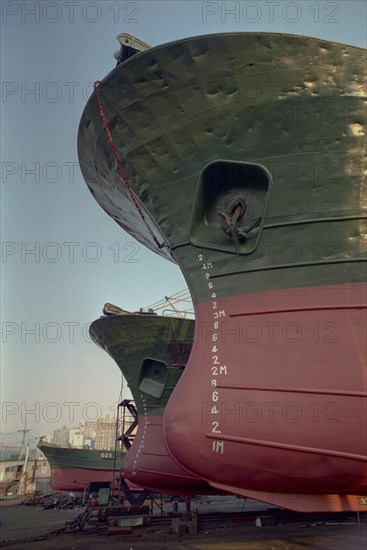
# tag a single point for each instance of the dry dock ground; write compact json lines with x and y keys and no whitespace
{"x":23,"y":521}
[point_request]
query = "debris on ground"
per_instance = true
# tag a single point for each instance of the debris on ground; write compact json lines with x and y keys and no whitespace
{"x":57,"y":501}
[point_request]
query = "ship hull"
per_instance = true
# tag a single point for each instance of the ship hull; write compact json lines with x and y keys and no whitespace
{"x":78,"y":479}
{"x":151,"y":352}
{"x":151,"y":465}
{"x":74,"y":469}
{"x":288,"y":422}
{"x":246,"y":153}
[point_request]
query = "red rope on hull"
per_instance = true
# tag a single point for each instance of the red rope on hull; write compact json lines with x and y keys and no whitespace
{"x":119,"y":164}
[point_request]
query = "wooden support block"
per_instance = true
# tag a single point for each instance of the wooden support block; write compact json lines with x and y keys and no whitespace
{"x":192,"y":527}
{"x":179,"y":526}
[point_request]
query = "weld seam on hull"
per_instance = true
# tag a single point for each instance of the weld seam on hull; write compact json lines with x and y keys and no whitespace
{"x":158,"y":472}
{"x":296,"y":309}
{"x":145,"y":453}
{"x":287,"y":224}
{"x":288,"y":266}
{"x":314,"y":220}
{"x":295,"y":390}
{"x":277,"y":445}
{"x":84,"y":466}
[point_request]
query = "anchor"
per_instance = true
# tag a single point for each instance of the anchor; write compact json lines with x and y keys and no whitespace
{"x":233,"y":212}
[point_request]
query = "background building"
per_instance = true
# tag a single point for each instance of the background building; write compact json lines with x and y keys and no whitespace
{"x":61,"y":436}
{"x":106,"y":433}
{"x":76,"y":438}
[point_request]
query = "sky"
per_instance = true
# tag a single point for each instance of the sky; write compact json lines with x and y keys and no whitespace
{"x":62,"y":257}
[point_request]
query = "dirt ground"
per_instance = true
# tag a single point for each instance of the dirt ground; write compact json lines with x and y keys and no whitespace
{"x":23,"y":521}
{"x":292,"y":537}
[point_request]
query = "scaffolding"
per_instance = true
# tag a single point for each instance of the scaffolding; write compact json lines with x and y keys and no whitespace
{"x":126,"y":425}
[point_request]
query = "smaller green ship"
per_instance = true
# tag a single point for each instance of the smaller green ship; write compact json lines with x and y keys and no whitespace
{"x":151,"y":351}
{"x":74,"y":469}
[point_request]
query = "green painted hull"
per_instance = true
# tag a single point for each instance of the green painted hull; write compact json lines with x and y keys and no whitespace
{"x":247,"y":154}
{"x":291,"y":104}
{"x":74,"y":469}
{"x":151,"y":352}
{"x":63,"y":458}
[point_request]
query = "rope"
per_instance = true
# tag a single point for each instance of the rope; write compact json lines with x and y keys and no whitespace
{"x":119,"y":164}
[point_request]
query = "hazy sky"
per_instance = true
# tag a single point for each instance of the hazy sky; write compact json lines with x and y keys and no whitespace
{"x":51,"y":52}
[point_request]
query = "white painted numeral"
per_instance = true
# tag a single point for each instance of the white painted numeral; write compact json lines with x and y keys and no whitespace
{"x":218,"y":447}
{"x":215,"y":426}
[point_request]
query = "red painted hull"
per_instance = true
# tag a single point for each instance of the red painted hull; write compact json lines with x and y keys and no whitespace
{"x":77,"y":479}
{"x":280,"y":403}
{"x":149,"y":464}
